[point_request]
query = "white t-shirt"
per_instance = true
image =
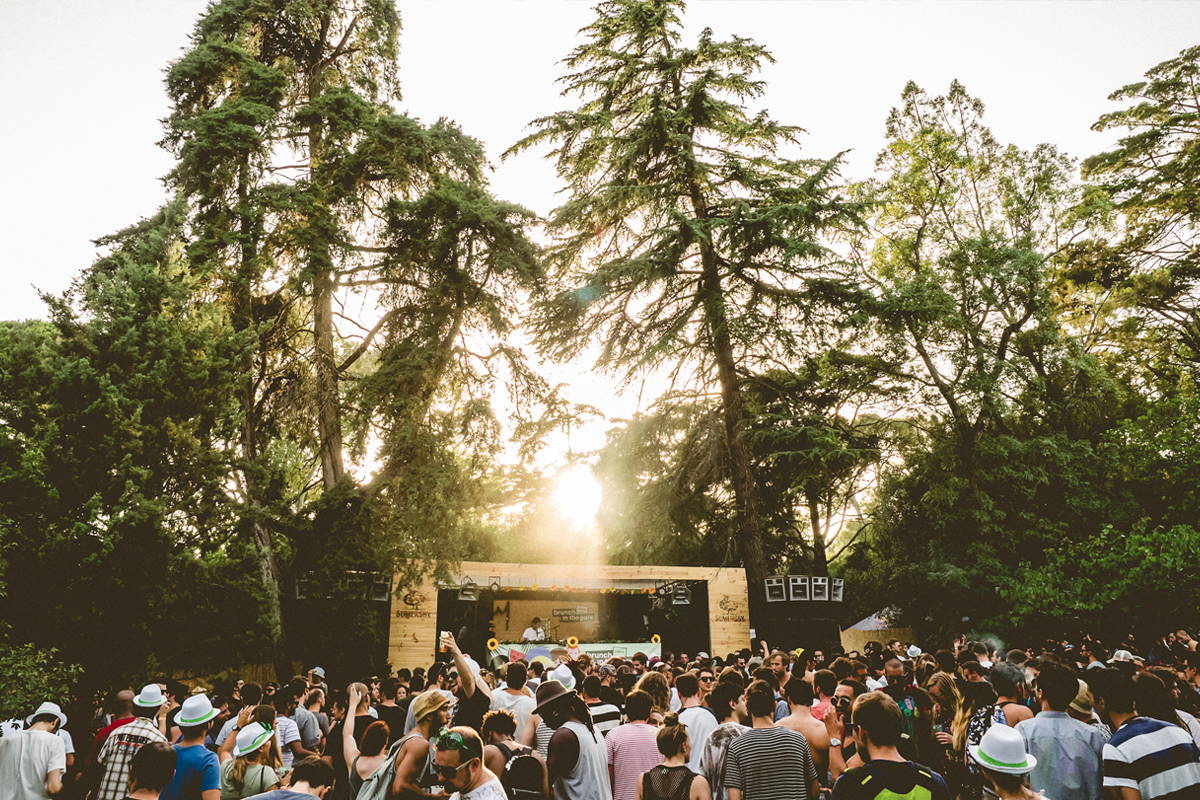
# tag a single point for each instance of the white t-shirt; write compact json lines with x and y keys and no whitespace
{"x":25,"y":761}
{"x":700,"y":723}
{"x":226,"y":729}
{"x":521,"y":706}
{"x":286,"y":732}
{"x":68,"y":742}
{"x":531,"y":635}
{"x":492,"y":790}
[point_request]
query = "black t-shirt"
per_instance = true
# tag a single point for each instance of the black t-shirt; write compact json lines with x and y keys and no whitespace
{"x":891,"y":780}
{"x":394,"y":716}
{"x":470,"y":712}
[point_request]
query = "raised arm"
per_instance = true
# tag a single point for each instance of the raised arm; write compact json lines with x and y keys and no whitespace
{"x":465,"y":675}
{"x":243,"y":719}
{"x":349,"y":745}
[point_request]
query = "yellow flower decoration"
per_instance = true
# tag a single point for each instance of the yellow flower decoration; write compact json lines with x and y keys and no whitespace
{"x":492,"y":644}
{"x":573,"y":642}
{"x":655,"y":639}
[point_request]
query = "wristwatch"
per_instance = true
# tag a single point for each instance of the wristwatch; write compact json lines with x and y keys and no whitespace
{"x":835,"y":741}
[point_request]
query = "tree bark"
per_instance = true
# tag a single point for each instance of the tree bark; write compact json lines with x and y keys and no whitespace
{"x":820,"y":563}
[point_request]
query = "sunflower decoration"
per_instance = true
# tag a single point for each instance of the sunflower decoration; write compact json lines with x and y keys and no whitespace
{"x":655,"y":639}
{"x":573,"y":642}
{"x":492,"y":643}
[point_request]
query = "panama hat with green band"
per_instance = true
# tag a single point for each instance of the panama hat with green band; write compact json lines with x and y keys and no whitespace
{"x":251,"y":738}
{"x":196,"y":710}
{"x":1002,"y":749}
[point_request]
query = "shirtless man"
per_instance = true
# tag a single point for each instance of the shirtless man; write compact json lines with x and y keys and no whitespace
{"x":799,"y":695}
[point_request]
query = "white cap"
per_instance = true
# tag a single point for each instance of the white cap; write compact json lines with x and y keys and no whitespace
{"x":913,"y":651}
{"x":48,"y":708}
{"x":196,"y":710}
{"x":151,"y":696}
{"x":250,"y":738}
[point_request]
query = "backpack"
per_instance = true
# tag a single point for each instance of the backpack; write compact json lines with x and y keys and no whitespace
{"x":522,"y":778}
{"x":378,"y":785}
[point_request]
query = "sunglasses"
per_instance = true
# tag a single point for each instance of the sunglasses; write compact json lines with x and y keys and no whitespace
{"x":706,"y":678}
{"x":450,"y":772}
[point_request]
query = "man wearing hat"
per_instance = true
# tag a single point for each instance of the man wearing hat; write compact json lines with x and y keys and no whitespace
{"x":197,"y":770}
{"x":577,"y":760}
{"x":1002,"y":759}
{"x":121,"y":745}
{"x":33,"y":761}
{"x":431,"y":710}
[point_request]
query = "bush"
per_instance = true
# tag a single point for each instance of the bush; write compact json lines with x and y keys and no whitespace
{"x":32,"y":676}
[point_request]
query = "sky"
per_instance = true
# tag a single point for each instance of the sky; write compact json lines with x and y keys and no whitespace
{"x":81,"y":97}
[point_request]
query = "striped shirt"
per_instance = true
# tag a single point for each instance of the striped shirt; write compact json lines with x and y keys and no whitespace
{"x":632,"y":749}
{"x":605,"y":717}
{"x":770,"y":764}
{"x":1158,"y":759}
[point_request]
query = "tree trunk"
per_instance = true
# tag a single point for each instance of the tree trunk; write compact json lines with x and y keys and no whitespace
{"x":329,"y":419}
{"x":243,"y":319}
{"x":820,"y":563}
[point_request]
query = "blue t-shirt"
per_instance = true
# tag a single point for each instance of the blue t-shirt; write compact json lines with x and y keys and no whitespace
{"x":196,"y":770}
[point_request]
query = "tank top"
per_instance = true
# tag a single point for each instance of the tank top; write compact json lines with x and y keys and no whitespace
{"x":589,"y":778}
{"x":667,"y":783}
{"x":541,"y":739}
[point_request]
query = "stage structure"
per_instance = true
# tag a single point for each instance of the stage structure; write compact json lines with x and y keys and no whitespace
{"x":602,"y":609}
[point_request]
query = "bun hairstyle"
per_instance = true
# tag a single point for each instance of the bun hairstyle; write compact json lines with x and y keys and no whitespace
{"x":672,"y":735}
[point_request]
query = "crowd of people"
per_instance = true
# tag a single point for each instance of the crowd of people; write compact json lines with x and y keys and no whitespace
{"x":891,"y":722}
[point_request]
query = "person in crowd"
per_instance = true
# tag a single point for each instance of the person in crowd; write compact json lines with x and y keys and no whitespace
{"x":432,"y":711}
{"x":306,"y":721}
{"x":800,"y":718}
{"x":287,"y":732}
{"x":535,"y":632}
{"x":655,"y":685}
{"x":766,"y":761}
{"x":314,"y":701}
{"x":458,"y":761}
{"x":824,"y":685}
{"x":728,"y":702}
{"x":33,"y":761}
{"x":1157,"y":697}
{"x":1081,"y":709}
{"x":387,"y":709}
{"x":885,"y":773}
{"x":632,"y":748}
{"x":839,"y":723}
{"x":358,"y":718}
{"x":248,"y":763}
{"x":1067,"y":752}
{"x":1003,"y":763}
{"x":610,"y":691}
{"x":122,"y":714}
{"x":312,"y":777}
{"x":916,"y":710}
{"x":362,"y":762}
{"x":944,"y":692}
{"x":698,"y":719}
{"x":149,"y":713}
{"x":150,"y":771}
{"x":1145,"y":758}
{"x":251,"y":694}
{"x":316,"y":680}
{"x":577,"y":759}
{"x":197,"y":771}
{"x":513,"y":696}
{"x":472,"y":699}
{"x":673,"y":779}
{"x":501,"y":748}
{"x":605,"y":716}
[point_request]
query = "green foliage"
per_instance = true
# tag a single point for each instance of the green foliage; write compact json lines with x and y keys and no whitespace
{"x":32,"y":676}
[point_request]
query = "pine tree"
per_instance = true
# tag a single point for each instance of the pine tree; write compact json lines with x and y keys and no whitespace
{"x":689,"y":242}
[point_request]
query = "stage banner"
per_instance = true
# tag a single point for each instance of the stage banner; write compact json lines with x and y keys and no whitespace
{"x":549,"y":652}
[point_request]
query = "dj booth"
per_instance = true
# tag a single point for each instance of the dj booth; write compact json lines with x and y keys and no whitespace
{"x":603,"y":610}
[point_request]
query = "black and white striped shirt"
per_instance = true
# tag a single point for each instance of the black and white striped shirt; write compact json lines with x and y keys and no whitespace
{"x":770,"y":764}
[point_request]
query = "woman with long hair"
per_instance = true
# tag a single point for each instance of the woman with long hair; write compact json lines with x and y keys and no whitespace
{"x":655,"y":684}
{"x":672,"y":779}
{"x":943,"y":690}
{"x":249,"y":759}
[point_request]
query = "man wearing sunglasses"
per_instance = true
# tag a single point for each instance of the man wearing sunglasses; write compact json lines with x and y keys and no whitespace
{"x":459,"y":763}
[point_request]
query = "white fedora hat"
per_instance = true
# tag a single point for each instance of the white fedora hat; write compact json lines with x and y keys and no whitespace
{"x":250,"y":738}
{"x":48,"y":708}
{"x":151,"y":696}
{"x":1002,"y":749}
{"x":196,"y":710}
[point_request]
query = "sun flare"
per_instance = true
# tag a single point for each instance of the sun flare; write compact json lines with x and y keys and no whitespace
{"x":576,"y":495}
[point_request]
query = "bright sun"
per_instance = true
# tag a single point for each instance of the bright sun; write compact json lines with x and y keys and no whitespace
{"x":577,"y":494}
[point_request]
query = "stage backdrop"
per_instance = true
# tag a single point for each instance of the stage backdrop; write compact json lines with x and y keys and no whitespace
{"x":560,"y":619}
